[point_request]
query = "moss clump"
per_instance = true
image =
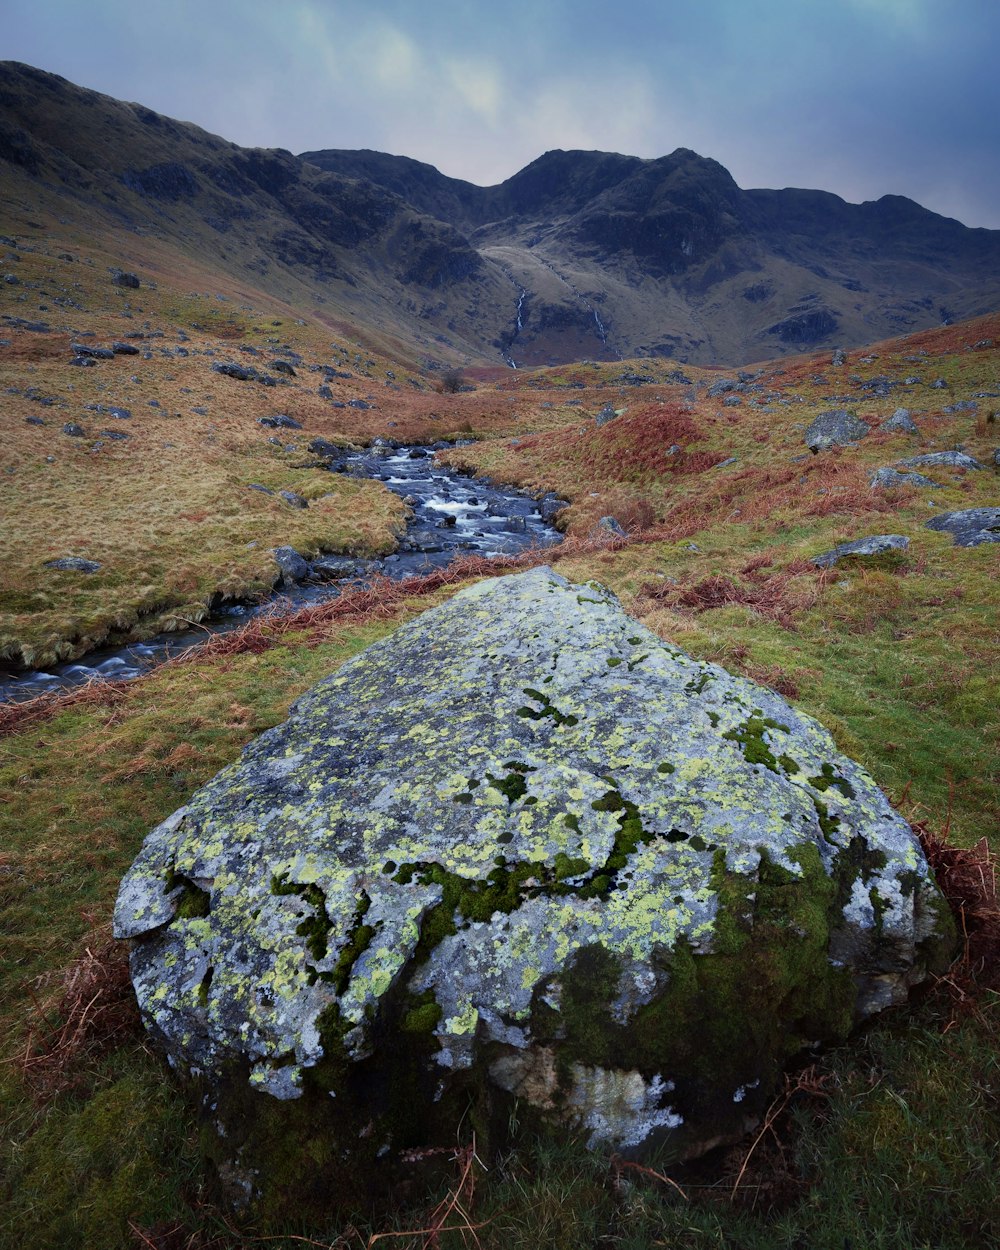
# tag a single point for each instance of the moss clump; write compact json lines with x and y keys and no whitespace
{"x":725,"y":1019}
{"x":828,"y":779}
{"x":193,"y":902}
{"x":513,"y":785}
{"x":547,"y":710}
{"x":750,"y":737}
{"x":423,"y":1016}
{"x":314,"y":928}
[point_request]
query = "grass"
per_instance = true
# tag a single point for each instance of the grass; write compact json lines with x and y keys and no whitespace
{"x":890,"y":1142}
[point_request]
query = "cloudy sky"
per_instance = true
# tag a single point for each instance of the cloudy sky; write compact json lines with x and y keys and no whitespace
{"x":859,"y":97}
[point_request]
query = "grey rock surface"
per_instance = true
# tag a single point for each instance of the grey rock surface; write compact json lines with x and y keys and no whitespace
{"x":292,"y":565}
{"x":834,"y":428}
{"x":900,"y":423}
{"x":970,"y":527}
{"x":886,"y":478}
{"x":872,"y":546}
{"x":73,"y":564}
{"x":522,"y":848}
{"x":942,"y":459}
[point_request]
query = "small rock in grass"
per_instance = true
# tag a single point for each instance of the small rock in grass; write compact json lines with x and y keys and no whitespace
{"x":887,"y":478}
{"x":873,"y":546}
{"x":291,"y":498}
{"x":900,"y":423}
{"x":73,"y":564}
{"x":970,"y":527}
{"x":942,"y":459}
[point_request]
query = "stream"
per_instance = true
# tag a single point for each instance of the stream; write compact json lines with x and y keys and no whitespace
{"x":452,"y":514}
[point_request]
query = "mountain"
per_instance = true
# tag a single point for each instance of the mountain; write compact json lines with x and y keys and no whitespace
{"x":579,"y":255}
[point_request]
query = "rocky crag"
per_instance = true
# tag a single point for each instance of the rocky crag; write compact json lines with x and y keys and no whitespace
{"x":579,"y":255}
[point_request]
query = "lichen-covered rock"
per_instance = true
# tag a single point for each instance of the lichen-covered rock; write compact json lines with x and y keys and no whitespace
{"x":970,"y":527}
{"x":834,"y":428}
{"x":521,"y":848}
{"x":875,"y":545}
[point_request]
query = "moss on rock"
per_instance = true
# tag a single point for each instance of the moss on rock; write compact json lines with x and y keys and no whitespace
{"x":482,"y":862}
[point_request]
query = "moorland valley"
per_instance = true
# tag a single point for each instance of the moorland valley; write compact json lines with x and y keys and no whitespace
{"x":766,"y":420}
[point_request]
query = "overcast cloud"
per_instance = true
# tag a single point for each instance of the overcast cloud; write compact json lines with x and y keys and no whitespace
{"x":860,"y":97}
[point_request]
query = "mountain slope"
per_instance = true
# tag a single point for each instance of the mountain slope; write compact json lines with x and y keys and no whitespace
{"x":579,"y":255}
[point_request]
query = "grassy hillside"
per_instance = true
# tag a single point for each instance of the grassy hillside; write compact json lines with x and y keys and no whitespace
{"x":891,"y":1142}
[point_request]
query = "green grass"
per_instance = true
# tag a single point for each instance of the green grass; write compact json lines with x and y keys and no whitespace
{"x":896,"y":657}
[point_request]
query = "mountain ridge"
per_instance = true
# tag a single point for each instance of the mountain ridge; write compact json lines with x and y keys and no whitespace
{"x":577,"y":255}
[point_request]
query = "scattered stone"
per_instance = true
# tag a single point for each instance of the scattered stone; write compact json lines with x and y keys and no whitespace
{"x":84,"y":362}
{"x":34,"y":421}
{"x":900,"y":423}
{"x":606,"y":414}
{"x":834,"y":428}
{"x":732,"y":401}
{"x":124,"y":349}
{"x":609,"y":525}
{"x":265,"y":490}
{"x":887,"y":478}
{"x":970,"y":527}
{"x":115,"y":435}
{"x":839,"y":357}
{"x":549,"y":506}
{"x":238,"y":372}
{"x":121,"y":277}
{"x":729,"y":460}
{"x":873,"y":546}
{"x":293,"y":566}
{"x":296,"y":501}
{"x":521,"y":849}
{"x":329,"y":451}
{"x":73,"y":564}
{"x":722,"y":387}
{"x":279,"y":422}
{"x":938,"y":384}
{"x":947,"y":459}
{"x":282,"y":366}
{"x":73,"y":430}
{"x":358,"y":403}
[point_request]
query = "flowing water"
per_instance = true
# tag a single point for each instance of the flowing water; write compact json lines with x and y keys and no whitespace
{"x":451,"y":514}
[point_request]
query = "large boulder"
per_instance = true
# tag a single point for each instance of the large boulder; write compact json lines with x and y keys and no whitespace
{"x":834,"y":428}
{"x":521,"y":849}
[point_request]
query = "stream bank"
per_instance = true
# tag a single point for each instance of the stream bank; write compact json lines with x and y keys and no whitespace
{"x":451,"y":514}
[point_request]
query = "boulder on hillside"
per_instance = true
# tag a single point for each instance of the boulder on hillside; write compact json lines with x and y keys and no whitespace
{"x":875,"y":545}
{"x":834,"y":428}
{"x":887,"y":478}
{"x":521,"y":849}
{"x":900,"y":423}
{"x":970,"y":527}
{"x":942,"y":459}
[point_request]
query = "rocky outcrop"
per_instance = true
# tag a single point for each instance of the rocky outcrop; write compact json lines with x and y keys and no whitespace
{"x":520,"y":849}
